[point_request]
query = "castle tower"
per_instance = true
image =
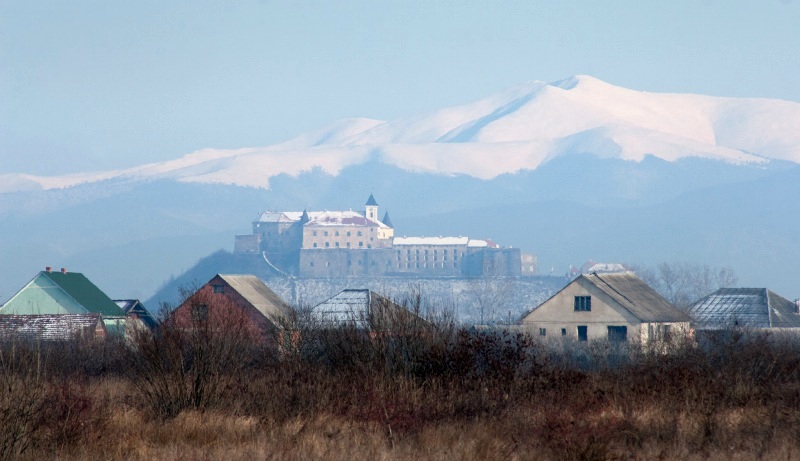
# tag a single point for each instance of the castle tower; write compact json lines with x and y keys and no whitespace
{"x":371,"y":209}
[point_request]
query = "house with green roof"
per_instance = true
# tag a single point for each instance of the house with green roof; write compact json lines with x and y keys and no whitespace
{"x":54,"y":293}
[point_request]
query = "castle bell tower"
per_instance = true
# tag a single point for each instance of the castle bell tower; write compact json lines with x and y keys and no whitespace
{"x":371,"y":209}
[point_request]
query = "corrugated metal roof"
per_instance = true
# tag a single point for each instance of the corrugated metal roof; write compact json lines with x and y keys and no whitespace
{"x":348,"y":307}
{"x":55,"y":327}
{"x":364,"y":309}
{"x":744,"y":307}
{"x":259,"y":295}
{"x":636,"y":296}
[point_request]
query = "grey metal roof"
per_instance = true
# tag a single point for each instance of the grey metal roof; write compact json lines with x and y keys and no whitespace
{"x":364,"y":309}
{"x":259,"y":295}
{"x":54,"y":327}
{"x":744,"y":307}
{"x":636,"y":296}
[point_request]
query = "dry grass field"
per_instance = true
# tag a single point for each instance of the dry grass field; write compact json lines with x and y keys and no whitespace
{"x":447,"y":394}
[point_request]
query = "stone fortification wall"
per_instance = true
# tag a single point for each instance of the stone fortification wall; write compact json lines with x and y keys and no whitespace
{"x":474,"y":300}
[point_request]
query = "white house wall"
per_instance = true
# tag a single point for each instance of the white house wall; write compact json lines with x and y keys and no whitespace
{"x":559,"y":312}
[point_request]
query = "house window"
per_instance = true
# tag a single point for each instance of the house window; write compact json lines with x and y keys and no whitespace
{"x":315,"y":245}
{"x":583,"y":303}
{"x":360,"y":233}
{"x":563,"y":332}
{"x":325,"y":233}
{"x":617,"y":333}
{"x":667,"y":333}
{"x":336,"y":244}
{"x":542,"y":331}
{"x":360,"y":244}
{"x":348,"y":244}
{"x":314,"y":233}
{"x":218,"y":288}
{"x":336,"y":233}
{"x":327,"y":244}
{"x":582,"y":333}
{"x":369,"y":246}
{"x":348,"y":233}
{"x":199,"y":312}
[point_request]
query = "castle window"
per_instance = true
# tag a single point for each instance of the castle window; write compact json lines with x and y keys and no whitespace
{"x":327,"y":244}
{"x":315,"y":245}
{"x":336,"y":233}
{"x":348,"y":244}
{"x":369,"y":246}
{"x":348,"y":233}
{"x":311,"y":264}
{"x":314,"y":233}
{"x":360,"y":233}
{"x":360,"y":244}
{"x":325,"y":233}
{"x":337,"y":244}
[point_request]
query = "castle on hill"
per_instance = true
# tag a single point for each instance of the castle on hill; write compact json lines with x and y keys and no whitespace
{"x":350,"y":243}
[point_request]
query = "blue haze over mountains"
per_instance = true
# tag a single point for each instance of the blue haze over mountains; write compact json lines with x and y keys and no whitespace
{"x":130,"y":237}
{"x":571,"y":170}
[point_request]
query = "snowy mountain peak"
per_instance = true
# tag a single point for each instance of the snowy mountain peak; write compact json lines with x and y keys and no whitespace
{"x":515,"y":129}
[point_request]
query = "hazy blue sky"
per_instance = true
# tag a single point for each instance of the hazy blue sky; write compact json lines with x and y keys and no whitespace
{"x":88,"y":85}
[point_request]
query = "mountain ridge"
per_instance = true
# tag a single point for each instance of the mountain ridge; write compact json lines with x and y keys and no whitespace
{"x":519,"y":128}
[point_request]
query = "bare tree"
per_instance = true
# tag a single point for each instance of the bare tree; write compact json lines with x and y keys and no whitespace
{"x":489,"y":294}
{"x":683,"y":283}
{"x":194,"y":355}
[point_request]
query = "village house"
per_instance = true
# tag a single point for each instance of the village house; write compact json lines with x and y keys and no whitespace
{"x":241,"y":303}
{"x":615,"y":306}
{"x":365,"y":310}
{"x":52,"y":293}
{"x":752,"y":308}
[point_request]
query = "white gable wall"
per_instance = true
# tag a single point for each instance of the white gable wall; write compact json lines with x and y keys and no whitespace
{"x":559,"y":313}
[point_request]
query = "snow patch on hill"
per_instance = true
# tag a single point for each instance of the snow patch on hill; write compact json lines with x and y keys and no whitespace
{"x":519,"y":128}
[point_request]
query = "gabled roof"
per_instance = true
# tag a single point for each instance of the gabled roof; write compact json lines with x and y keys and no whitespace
{"x":135,"y":307}
{"x":371,"y":201}
{"x":745,"y":307}
{"x":255,"y":292}
{"x":636,"y":296}
{"x":363,"y":309}
{"x":73,"y":286}
{"x":53,"y":327}
{"x":630,"y":293}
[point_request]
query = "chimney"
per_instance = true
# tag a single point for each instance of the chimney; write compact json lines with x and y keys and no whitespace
{"x":63,"y":270}
{"x":48,"y":269}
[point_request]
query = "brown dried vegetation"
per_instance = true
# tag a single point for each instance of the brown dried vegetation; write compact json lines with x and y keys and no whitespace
{"x":439,"y":393}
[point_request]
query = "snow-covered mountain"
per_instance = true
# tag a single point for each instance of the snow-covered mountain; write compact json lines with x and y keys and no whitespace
{"x":517,"y":129}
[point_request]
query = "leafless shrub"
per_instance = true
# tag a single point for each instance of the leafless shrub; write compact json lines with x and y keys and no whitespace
{"x":21,"y":398}
{"x":194,"y":356}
